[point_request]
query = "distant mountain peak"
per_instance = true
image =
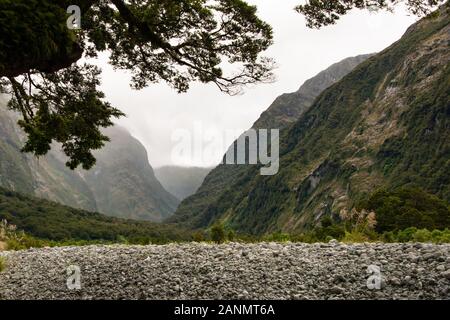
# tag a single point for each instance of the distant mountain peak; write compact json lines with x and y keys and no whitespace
{"x":287,"y":108}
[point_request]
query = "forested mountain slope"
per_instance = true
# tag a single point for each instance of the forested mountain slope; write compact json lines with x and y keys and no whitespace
{"x":52,"y":221}
{"x":384,"y":125}
{"x":284,"y":111}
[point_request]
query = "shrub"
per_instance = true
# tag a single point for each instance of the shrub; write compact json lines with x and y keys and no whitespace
{"x":278,"y":237}
{"x":406,"y":235}
{"x":438,"y":236}
{"x":231,"y":235}
{"x":122,"y":240}
{"x":355,"y":236}
{"x":2,"y":264}
{"x":307,"y":237}
{"x":18,"y":240}
{"x":327,"y":230}
{"x":388,"y":237}
{"x":422,"y":235}
{"x":25,"y":242}
{"x":408,"y":207}
{"x":218,"y":233}
{"x":198,"y":236}
{"x":445,"y":238}
{"x":361,"y":220}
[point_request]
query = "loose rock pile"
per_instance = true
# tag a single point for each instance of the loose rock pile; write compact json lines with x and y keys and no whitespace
{"x":231,"y":271}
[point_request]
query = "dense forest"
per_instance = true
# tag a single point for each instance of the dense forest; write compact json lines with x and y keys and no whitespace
{"x":51,"y":221}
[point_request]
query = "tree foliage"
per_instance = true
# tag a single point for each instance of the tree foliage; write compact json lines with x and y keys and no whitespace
{"x":66,"y":107}
{"x":176,"y":41}
{"x":408,"y":207}
{"x":319,"y":13}
{"x":218,"y":234}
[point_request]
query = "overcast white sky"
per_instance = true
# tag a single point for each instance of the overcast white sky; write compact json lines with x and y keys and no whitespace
{"x":155,"y":113}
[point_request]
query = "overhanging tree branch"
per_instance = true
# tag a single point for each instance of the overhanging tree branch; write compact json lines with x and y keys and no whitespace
{"x":176,"y":41}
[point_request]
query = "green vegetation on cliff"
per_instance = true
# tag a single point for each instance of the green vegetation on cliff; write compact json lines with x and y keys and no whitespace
{"x":217,"y":190}
{"x":384,"y":125}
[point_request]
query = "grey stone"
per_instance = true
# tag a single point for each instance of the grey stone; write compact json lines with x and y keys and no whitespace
{"x":337,"y":290}
{"x":446,"y":274}
{"x":204,"y":271}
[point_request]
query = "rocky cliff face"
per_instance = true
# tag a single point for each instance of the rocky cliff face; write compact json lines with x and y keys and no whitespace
{"x":45,"y":177}
{"x":122,"y":184}
{"x":123,"y":181}
{"x":386,"y":124}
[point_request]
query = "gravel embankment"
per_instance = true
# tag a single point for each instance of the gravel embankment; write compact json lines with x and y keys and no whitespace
{"x":232,"y":271}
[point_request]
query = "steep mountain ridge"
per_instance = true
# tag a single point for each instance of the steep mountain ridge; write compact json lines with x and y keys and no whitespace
{"x":282,"y":113}
{"x":45,"y":177}
{"x":124,"y":181}
{"x":384,"y":125}
{"x":287,"y":108}
{"x":126,"y":188}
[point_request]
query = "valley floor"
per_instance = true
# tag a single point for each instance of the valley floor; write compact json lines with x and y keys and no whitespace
{"x":231,"y":271}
